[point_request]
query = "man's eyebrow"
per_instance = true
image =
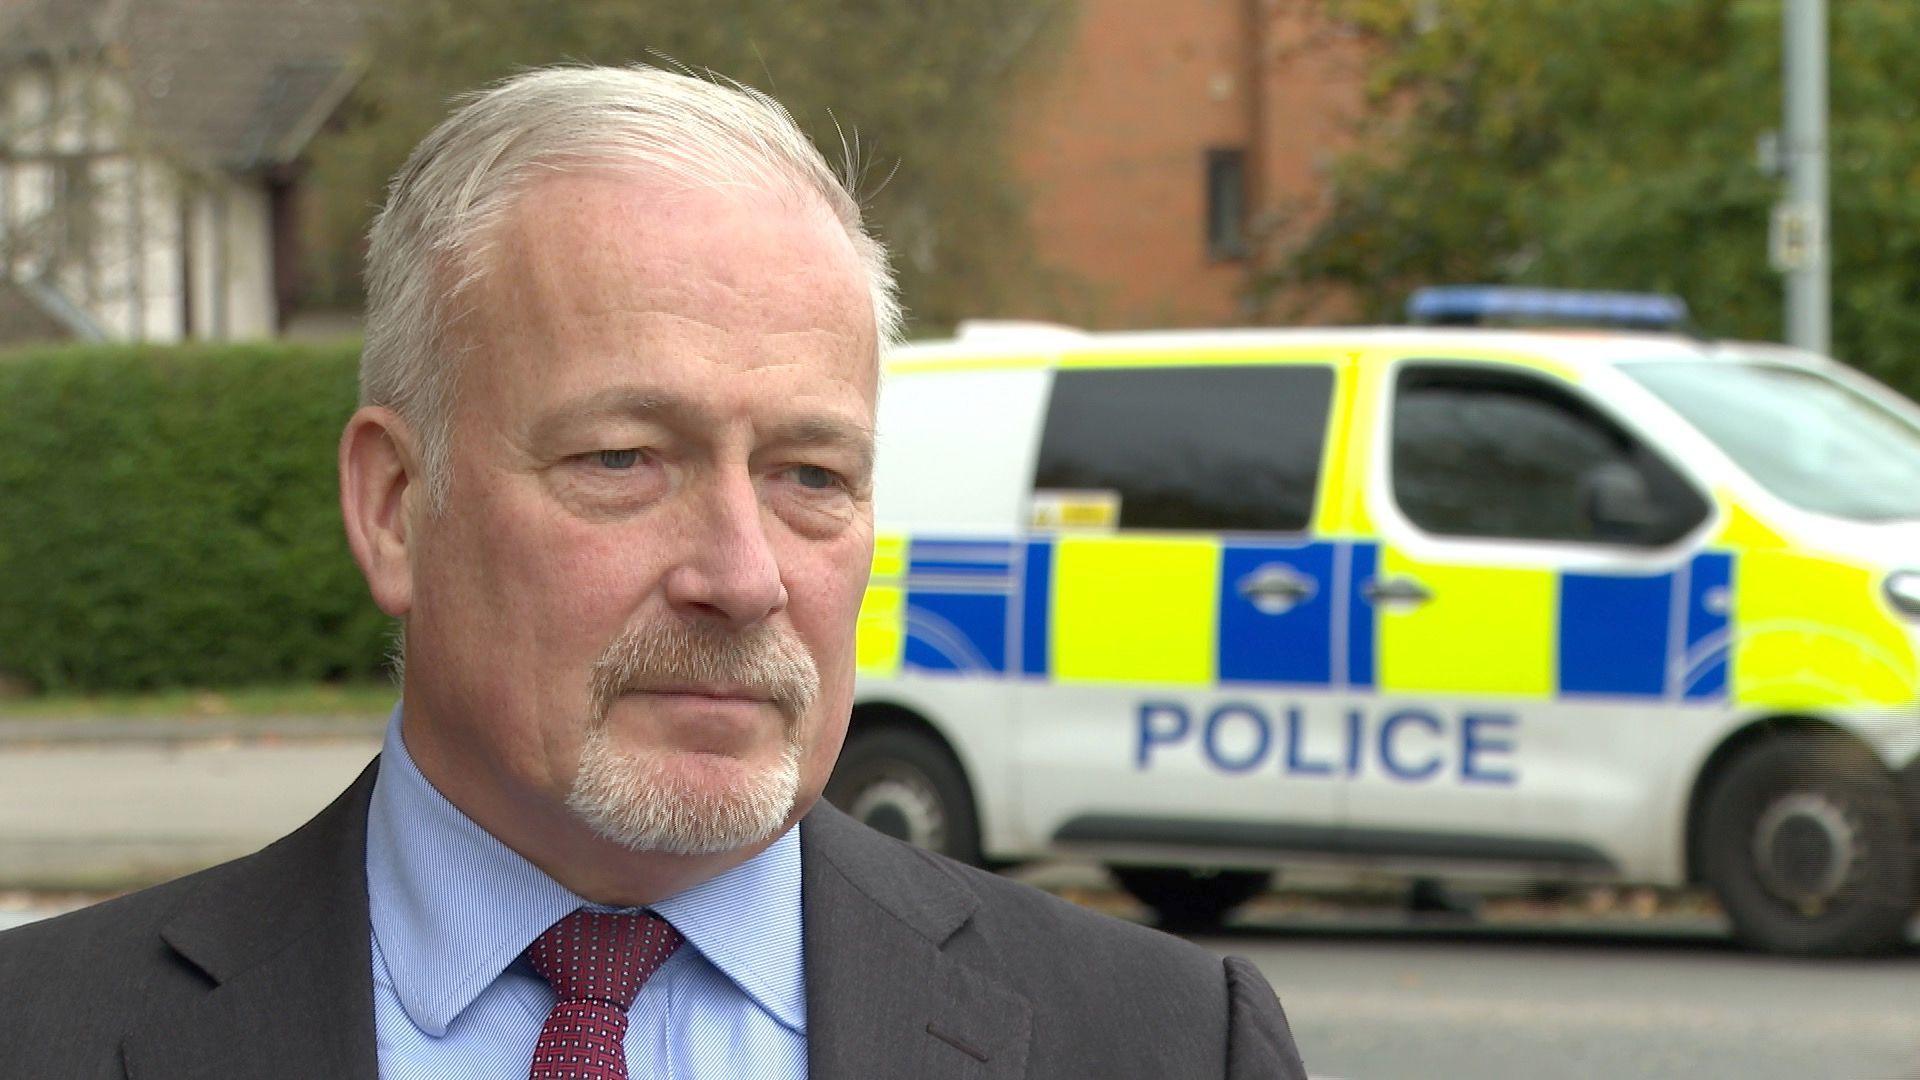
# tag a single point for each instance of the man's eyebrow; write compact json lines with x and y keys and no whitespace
{"x":634,"y":403}
{"x":613,"y":403}
{"x":827,"y":431}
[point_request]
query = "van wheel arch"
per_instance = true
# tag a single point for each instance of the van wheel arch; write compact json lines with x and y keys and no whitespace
{"x":1804,"y":835}
{"x":1730,"y":750}
{"x":885,"y":735}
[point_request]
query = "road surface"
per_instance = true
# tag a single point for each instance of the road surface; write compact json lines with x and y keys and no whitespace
{"x":1512,"y":1003}
{"x":97,"y":815}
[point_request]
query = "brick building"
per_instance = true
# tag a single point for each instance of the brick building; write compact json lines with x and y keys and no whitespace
{"x":1164,"y":141}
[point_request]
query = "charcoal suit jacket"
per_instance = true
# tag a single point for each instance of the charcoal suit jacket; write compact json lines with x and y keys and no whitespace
{"x":917,"y":967}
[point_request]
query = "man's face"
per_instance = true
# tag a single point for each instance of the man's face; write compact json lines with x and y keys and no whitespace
{"x":641,"y":596}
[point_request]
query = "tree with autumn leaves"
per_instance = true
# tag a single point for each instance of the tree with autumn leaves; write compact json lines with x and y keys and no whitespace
{"x":1612,"y":144}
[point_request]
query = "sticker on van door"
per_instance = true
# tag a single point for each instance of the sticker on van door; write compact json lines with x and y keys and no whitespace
{"x":1081,"y":508}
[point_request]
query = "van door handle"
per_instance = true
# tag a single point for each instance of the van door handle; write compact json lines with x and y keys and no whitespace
{"x":1403,"y":592}
{"x":1276,"y":588}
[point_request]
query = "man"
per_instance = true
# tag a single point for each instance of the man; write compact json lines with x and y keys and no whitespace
{"x":612,"y":472}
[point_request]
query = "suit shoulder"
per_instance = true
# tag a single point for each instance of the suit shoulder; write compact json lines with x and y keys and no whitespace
{"x":107,"y":952}
{"x":92,"y":943}
{"x":1028,"y":926}
{"x":70,"y":982}
{"x":1142,"y":1001}
{"x":1105,"y":997}
{"x":1022,"y":919}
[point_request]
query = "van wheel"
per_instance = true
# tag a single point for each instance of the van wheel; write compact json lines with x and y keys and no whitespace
{"x":907,"y":785}
{"x":1191,"y":899}
{"x":1806,"y":840}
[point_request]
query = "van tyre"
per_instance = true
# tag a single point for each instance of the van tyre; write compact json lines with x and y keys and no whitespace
{"x":1808,"y":844}
{"x":1191,"y":899}
{"x":909,"y":786}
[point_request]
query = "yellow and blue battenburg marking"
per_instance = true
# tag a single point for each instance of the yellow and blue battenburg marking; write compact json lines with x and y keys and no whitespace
{"x":959,"y":593}
{"x":1175,"y":611}
{"x":1656,"y":636}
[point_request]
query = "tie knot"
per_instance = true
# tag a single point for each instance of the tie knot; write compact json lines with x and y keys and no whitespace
{"x":602,"y":956}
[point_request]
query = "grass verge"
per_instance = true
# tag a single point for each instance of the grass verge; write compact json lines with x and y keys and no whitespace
{"x":371,"y":699}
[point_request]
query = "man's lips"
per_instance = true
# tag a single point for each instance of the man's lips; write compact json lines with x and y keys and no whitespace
{"x":717,"y":694}
{"x":721,"y":720}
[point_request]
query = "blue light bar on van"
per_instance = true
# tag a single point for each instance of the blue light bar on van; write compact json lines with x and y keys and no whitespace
{"x":1473,"y":305}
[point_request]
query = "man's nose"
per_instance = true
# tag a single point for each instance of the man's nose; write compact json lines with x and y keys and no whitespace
{"x":729,"y":571}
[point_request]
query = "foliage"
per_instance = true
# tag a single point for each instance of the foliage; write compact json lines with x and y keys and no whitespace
{"x":168,"y":517}
{"x":916,"y":90}
{"x":1611,"y":144}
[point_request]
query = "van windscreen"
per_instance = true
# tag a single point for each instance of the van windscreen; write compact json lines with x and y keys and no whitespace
{"x":1811,"y":440}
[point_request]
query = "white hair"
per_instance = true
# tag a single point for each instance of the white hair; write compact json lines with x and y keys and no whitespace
{"x":430,"y":242}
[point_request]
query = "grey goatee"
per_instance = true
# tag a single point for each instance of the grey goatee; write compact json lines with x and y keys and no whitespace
{"x":635,"y":797}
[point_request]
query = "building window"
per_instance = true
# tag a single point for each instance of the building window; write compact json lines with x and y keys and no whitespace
{"x":72,"y":213}
{"x":1226,"y":204}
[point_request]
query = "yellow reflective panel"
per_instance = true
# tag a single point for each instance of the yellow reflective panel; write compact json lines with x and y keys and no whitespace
{"x":1356,"y":416}
{"x":1812,"y":632}
{"x":1543,"y":365}
{"x":1743,"y":531}
{"x":889,"y":556}
{"x":917,"y":365}
{"x":1135,"y":610}
{"x":880,"y":638}
{"x":1202,"y":356}
{"x":1485,"y":630}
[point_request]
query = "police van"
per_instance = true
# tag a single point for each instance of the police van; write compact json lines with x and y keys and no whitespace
{"x":1564,"y":606}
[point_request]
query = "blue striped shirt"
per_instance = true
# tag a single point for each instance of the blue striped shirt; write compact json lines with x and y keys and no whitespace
{"x":453,"y":908}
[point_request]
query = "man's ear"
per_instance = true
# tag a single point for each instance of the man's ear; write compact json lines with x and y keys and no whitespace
{"x":378,"y":470}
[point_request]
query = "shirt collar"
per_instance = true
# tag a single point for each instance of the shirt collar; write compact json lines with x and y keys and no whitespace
{"x":747,"y":923}
{"x":452,"y":907}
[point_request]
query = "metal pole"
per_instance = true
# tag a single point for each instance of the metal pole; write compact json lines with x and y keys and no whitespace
{"x":1808,"y":289}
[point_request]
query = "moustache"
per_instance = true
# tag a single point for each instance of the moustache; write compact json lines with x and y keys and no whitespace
{"x":764,"y":661}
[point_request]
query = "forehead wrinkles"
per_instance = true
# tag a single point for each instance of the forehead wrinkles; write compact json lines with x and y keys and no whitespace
{"x":574,"y":260}
{"x":605,"y":249}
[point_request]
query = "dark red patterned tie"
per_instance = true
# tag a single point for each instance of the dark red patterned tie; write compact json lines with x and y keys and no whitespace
{"x":596,"y":963}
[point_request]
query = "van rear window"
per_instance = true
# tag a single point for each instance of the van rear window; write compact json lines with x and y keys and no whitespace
{"x":1203,"y":448}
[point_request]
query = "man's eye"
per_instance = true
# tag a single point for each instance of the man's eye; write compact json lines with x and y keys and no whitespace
{"x":618,"y":459}
{"x":815,"y":478}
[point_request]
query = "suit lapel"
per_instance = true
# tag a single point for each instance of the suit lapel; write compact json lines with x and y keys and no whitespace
{"x":887,"y":994}
{"x":282,"y":944}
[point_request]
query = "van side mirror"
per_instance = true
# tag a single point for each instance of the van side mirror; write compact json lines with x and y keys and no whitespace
{"x":1620,"y":506}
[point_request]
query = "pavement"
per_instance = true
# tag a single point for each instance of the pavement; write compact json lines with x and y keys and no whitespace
{"x":103,"y":805}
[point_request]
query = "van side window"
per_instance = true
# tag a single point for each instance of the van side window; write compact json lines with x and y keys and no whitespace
{"x":1479,"y":452}
{"x":1206,"y":448}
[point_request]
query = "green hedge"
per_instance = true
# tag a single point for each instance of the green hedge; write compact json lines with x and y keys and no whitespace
{"x":169,"y":517}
